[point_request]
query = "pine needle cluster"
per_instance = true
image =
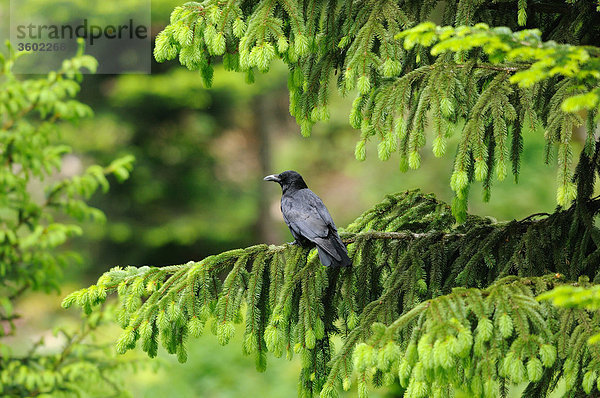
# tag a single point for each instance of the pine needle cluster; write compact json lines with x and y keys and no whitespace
{"x":439,"y":308}
{"x":424,"y":301}
{"x":491,"y":84}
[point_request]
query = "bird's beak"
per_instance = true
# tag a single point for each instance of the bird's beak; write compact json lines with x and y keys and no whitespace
{"x":272,"y":177}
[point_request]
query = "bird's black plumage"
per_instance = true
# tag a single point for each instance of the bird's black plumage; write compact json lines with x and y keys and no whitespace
{"x":308,"y":219}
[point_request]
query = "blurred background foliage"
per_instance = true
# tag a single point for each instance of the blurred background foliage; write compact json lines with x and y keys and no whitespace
{"x":197,"y":190}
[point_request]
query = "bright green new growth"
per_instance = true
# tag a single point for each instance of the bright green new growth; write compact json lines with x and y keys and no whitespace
{"x":441,"y":309}
{"x":492,"y":84}
{"x":40,"y":212}
{"x":425,"y":303}
{"x":582,"y":295}
{"x":571,"y":73}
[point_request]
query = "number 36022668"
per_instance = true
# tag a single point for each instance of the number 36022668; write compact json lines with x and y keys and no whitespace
{"x":41,"y":46}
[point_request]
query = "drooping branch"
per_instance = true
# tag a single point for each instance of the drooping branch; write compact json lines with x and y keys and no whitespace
{"x":407,"y":73}
{"x":405,"y":250}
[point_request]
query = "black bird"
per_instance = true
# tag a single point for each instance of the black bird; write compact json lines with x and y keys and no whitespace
{"x":308,"y":219}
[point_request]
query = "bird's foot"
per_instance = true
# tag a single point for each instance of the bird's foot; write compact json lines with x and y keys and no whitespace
{"x":294,"y":243}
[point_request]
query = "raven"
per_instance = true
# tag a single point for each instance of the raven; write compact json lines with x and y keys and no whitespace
{"x":308,"y":219}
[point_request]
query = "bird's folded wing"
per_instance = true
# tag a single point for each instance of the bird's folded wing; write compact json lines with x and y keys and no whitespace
{"x":329,"y":245}
{"x":318,"y":205}
{"x":307,"y":216}
{"x":304,"y":214}
{"x":307,"y":224}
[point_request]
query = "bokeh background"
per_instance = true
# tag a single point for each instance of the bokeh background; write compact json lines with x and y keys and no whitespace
{"x":197,"y":190}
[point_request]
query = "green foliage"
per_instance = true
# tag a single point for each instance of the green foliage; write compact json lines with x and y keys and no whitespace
{"x":429,"y":282}
{"x":579,"y":296}
{"x":572,"y":73}
{"x":38,"y":199}
{"x":78,"y":368}
{"x":216,"y":371}
{"x":458,"y":348}
{"x":440,"y":309}
{"x":494,"y":83}
{"x":183,"y":138}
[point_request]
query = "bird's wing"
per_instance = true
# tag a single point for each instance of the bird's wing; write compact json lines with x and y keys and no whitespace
{"x":309,"y":197}
{"x":306,"y":214}
{"x":323,"y":212}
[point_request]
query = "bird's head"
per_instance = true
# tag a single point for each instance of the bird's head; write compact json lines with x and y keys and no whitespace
{"x":288,"y":179}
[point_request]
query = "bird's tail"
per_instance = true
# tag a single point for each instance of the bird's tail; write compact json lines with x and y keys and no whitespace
{"x":332,"y":251}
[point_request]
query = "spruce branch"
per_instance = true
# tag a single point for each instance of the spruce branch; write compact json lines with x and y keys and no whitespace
{"x":407,"y":73}
{"x":412,"y":269}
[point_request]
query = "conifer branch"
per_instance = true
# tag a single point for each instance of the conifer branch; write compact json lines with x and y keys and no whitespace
{"x":408,"y":72}
{"x":412,"y":269}
{"x":441,"y":308}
